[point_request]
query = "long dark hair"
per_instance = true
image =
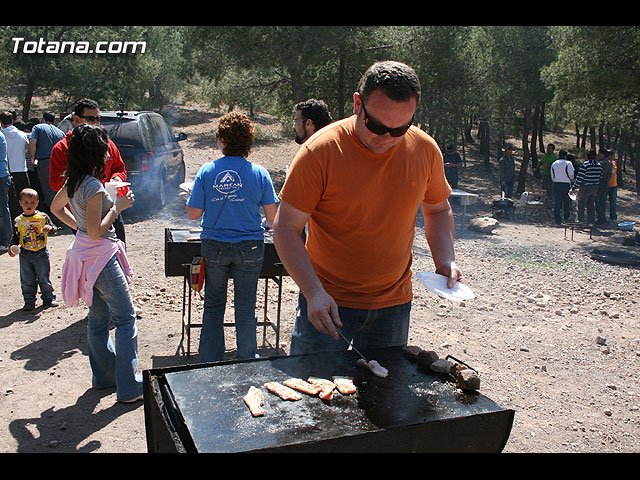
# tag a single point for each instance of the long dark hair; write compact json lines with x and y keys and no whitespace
{"x":88,"y":146}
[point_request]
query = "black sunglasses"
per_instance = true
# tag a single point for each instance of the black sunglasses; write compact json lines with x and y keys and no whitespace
{"x":90,"y":118}
{"x":376,"y":127}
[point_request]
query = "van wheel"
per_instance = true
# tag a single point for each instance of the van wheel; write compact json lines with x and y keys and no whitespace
{"x":160,"y":194}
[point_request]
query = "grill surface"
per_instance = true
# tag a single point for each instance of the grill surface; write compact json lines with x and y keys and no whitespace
{"x":178,"y":250}
{"x":411,"y":410}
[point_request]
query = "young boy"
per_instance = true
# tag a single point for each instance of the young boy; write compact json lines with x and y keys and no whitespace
{"x":30,"y":232}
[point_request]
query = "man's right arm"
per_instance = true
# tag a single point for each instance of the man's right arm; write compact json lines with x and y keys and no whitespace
{"x":32,"y":148}
{"x":287,"y":235}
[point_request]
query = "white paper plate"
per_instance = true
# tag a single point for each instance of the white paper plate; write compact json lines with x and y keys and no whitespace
{"x":437,"y":284}
{"x":186,"y":186}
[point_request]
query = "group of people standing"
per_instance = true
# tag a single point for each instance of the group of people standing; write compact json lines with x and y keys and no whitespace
{"x":73,"y":169}
{"x":595,"y":180}
{"x":343,"y":225}
{"x":25,"y":148}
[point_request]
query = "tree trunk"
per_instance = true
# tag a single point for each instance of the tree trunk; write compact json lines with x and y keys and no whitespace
{"x":483,"y":134}
{"x":541,"y":125}
{"x":534,"y":140}
{"x":522,"y":176}
{"x":340,"y":99}
{"x":28,"y":96}
{"x":467,"y":133}
{"x":296,"y":87}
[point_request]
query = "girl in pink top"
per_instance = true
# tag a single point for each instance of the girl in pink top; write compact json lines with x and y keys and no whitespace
{"x":95,"y":266}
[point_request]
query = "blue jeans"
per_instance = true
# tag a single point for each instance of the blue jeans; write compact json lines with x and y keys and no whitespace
{"x":561,"y":201}
{"x":601,"y":203}
{"x":379,"y":328}
{"x":34,"y":272}
{"x":241,"y":261}
{"x":6,"y":229}
{"x":113,"y":366}
{"x":613,"y":200}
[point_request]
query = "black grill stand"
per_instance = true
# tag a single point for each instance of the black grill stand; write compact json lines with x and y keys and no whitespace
{"x":276,"y":275}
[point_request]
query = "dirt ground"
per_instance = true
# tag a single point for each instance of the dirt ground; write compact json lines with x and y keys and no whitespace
{"x":552,"y":332}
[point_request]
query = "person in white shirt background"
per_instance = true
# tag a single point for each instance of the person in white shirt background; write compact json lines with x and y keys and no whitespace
{"x":562,"y":175}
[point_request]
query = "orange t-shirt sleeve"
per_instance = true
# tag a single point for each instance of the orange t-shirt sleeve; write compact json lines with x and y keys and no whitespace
{"x":305,"y":190}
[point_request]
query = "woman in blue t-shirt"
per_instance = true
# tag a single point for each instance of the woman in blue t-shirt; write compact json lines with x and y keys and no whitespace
{"x":228,"y":194}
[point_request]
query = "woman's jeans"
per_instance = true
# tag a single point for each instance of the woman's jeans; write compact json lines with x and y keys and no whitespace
{"x":241,"y":261}
{"x":34,"y":272}
{"x":113,"y":366}
{"x":380,"y":328}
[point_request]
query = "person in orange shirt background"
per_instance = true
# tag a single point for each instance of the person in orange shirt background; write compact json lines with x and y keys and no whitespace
{"x":359,"y":184}
{"x":613,"y":187}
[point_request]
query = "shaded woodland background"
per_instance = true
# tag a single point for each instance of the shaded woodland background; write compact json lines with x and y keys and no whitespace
{"x":499,"y":82}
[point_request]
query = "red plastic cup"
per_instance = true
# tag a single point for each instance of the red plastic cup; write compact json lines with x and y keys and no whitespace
{"x":122,"y":191}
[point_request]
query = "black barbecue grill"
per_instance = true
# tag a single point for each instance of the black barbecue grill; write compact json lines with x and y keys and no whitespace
{"x":200,"y":408}
{"x":182,"y":244}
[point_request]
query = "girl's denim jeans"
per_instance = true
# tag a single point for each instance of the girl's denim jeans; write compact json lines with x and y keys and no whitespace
{"x":241,"y":261}
{"x":114,"y":364}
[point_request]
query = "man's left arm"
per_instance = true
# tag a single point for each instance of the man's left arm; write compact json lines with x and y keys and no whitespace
{"x":439,"y":231}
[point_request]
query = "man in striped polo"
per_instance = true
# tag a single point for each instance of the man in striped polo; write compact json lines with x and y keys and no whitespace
{"x":586,"y":183}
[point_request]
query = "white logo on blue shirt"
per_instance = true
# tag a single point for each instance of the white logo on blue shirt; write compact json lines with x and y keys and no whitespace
{"x":227,"y":182}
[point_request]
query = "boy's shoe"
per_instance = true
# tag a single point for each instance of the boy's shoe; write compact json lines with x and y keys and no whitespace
{"x":50,"y":303}
{"x":28,"y":307}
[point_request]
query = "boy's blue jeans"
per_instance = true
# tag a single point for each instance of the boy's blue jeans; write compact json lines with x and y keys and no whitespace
{"x":241,"y":261}
{"x":113,"y":365}
{"x":34,"y":272}
{"x":379,"y":328}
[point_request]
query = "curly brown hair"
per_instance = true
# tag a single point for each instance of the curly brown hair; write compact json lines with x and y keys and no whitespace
{"x":237,"y":134}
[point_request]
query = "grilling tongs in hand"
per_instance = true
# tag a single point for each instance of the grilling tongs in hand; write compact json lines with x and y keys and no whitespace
{"x":372,"y":365}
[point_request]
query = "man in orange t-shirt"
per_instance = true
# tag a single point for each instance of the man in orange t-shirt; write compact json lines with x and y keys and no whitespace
{"x":612,"y":192}
{"x":359,"y":184}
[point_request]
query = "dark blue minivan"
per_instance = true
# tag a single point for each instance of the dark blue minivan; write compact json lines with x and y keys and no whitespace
{"x":150,"y":151}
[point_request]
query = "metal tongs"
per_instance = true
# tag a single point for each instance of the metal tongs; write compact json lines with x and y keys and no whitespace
{"x":352,"y":346}
{"x":375,"y":368}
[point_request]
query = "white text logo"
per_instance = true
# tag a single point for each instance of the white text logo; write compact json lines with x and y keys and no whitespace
{"x":52,"y":47}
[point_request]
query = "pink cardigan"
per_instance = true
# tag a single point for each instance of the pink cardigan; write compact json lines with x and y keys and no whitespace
{"x":84,"y":261}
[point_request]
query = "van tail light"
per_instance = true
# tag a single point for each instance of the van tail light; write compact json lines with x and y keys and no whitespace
{"x":147,"y":161}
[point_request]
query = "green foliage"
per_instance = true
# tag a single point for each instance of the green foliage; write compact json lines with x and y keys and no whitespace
{"x":589,"y":75}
